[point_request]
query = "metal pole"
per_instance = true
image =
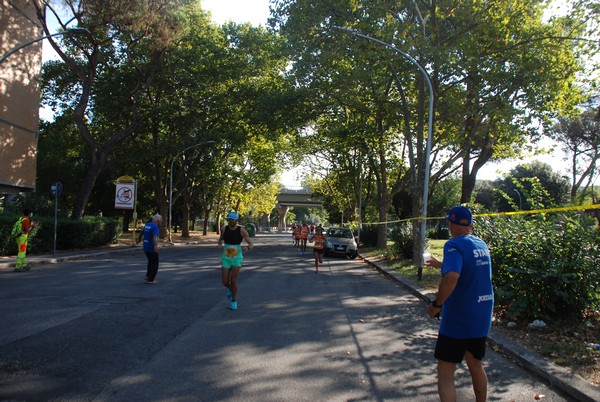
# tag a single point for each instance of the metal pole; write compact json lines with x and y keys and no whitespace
{"x":68,"y":31}
{"x":429,"y":134}
{"x":55,"y":220}
{"x":359,"y":203}
{"x":171,"y":196}
{"x":134,"y":212}
{"x":520,"y":202}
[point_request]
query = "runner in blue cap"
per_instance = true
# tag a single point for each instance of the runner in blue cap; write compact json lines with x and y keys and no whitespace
{"x":231,"y":238}
{"x":465,"y":299}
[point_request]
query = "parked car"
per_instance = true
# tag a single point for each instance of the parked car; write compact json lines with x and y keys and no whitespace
{"x":340,"y":241}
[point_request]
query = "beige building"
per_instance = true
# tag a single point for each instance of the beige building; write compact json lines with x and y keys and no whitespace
{"x":19,"y":97}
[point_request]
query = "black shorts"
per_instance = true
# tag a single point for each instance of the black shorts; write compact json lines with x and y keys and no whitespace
{"x":453,"y":350}
{"x":318,"y":250}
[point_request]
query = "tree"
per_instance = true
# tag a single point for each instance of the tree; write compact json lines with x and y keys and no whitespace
{"x":496,"y":67}
{"x":219,"y":92}
{"x":580,"y":139}
{"x":528,"y":195}
{"x":104,"y":59}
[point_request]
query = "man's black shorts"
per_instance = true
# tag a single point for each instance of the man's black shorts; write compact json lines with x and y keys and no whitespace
{"x":318,"y":250}
{"x":453,"y":350}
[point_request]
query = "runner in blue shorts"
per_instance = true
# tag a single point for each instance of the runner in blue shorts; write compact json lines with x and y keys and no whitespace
{"x":231,"y":238}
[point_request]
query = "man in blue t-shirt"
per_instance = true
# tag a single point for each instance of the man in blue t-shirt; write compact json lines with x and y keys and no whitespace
{"x":150,"y":233}
{"x":466,"y":295}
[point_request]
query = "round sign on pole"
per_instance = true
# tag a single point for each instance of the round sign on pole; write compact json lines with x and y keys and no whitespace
{"x":56,"y":189}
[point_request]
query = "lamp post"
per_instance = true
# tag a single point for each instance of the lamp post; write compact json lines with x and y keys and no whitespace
{"x":429,"y":132}
{"x":171,"y":181}
{"x":520,"y":202}
{"x":67,"y":31}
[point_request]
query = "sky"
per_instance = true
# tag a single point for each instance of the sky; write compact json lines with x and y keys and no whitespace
{"x":256,"y":12}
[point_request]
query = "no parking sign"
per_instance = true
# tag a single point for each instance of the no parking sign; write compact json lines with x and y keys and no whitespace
{"x":125,"y":195}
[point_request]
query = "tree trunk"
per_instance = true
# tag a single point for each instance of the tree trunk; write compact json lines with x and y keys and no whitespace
{"x":185,"y":216}
{"x":468,"y":182}
{"x":87,"y":186}
{"x":382,"y":229}
{"x":218,"y":218}
{"x":205,"y":225}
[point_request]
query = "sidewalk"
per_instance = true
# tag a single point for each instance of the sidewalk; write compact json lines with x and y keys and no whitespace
{"x":124,"y":245}
{"x":560,"y":378}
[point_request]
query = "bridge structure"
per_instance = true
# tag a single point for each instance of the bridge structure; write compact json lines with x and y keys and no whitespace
{"x":289,"y":198}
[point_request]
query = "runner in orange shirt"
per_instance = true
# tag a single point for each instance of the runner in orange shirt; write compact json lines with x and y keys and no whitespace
{"x":297,"y":237}
{"x":304,"y":231}
{"x":318,"y":248}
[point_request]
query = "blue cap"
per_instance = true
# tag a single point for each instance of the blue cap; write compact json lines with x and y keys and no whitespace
{"x":460,"y":215}
{"x":233,"y":215}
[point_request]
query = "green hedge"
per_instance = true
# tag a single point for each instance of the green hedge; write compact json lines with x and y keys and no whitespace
{"x":546,"y":265}
{"x":93,"y":231}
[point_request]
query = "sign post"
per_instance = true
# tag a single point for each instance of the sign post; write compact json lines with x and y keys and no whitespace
{"x":56,"y":190}
{"x":126,"y":198}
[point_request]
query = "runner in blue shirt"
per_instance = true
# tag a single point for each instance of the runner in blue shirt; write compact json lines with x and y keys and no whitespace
{"x":465,"y":299}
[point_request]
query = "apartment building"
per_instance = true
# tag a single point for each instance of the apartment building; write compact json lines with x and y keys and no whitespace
{"x":19,"y":97}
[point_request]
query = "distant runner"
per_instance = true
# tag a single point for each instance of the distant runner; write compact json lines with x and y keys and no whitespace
{"x":318,"y":248}
{"x":304,"y":231}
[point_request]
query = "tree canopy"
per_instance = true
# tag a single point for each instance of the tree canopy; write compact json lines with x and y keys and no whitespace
{"x":500,"y":73}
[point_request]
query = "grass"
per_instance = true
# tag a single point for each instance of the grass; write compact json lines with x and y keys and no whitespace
{"x":430,"y":277}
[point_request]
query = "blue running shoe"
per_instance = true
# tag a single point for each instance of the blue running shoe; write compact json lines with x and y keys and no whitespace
{"x":228,"y":294}
{"x":233,"y":305}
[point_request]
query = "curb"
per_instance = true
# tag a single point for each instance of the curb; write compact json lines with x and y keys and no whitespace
{"x":34,"y":261}
{"x":558,"y":377}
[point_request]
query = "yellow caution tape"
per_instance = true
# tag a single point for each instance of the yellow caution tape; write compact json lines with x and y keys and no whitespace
{"x":528,"y":212}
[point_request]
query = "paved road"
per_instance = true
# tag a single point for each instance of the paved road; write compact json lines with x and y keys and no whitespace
{"x":93,"y":330}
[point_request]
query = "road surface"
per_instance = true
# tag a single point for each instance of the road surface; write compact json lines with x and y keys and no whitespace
{"x":92,"y":330}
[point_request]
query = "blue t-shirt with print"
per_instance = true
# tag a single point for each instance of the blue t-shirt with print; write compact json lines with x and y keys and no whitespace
{"x":467,"y":313}
{"x":150,"y":230}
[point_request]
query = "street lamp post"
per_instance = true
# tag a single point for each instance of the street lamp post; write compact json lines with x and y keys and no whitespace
{"x":429,"y":132}
{"x":520,"y":201}
{"x":171,"y":181}
{"x":67,"y":31}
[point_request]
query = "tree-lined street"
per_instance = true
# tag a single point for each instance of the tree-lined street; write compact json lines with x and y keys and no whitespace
{"x":93,"y":330}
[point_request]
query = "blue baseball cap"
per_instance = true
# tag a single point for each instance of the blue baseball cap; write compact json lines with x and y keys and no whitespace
{"x":233,"y":215}
{"x":460,"y":215}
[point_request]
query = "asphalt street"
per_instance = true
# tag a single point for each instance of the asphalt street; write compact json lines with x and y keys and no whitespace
{"x":92,"y":330}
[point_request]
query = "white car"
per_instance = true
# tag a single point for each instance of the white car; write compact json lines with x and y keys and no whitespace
{"x":340,"y":241}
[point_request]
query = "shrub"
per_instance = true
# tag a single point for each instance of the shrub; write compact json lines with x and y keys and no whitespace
{"x":402,"y":237}
{"x":368,"y":235}
{"x":92,"y":231}
{"x":545,"y":266}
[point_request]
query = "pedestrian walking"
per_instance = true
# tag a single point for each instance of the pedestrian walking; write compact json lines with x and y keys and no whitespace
{"x":231,"y":238}
{"x":465,"y":299}
{"x":21,"y":231}
{"x":151,"y":232}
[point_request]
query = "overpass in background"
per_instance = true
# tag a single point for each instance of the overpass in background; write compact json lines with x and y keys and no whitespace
{"x":289,"y":198}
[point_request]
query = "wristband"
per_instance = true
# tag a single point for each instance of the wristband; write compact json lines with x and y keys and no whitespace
{"x":434,"y":304}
